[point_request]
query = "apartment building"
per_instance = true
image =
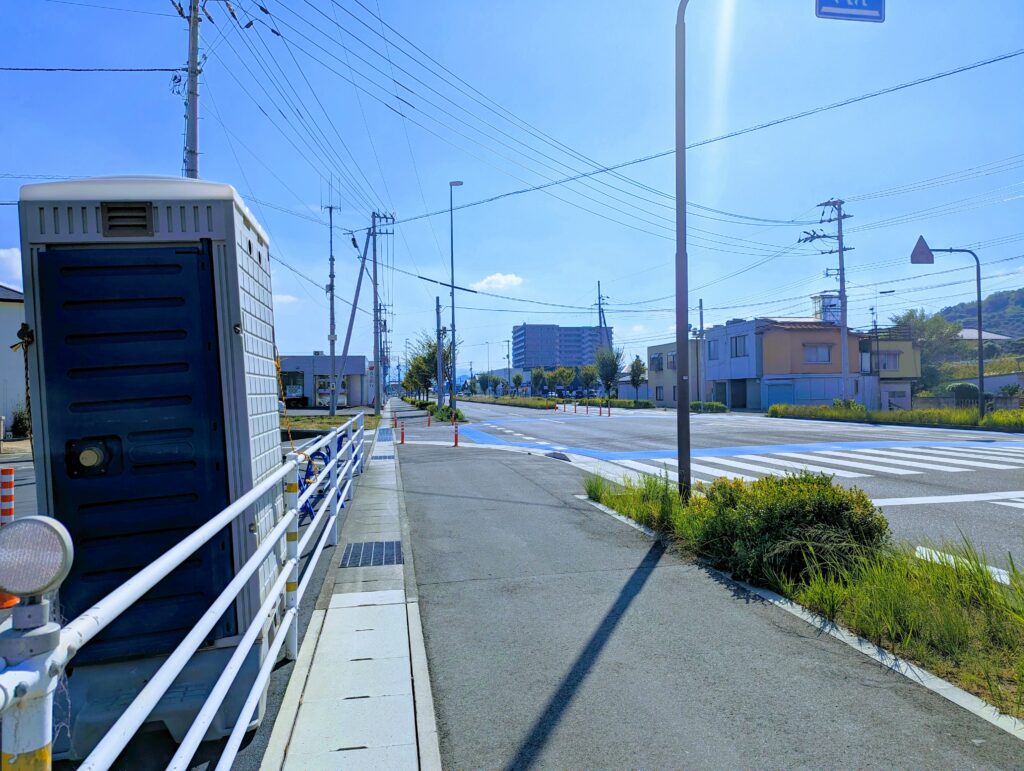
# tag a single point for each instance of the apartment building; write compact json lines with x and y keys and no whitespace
{"x":551,"y":345}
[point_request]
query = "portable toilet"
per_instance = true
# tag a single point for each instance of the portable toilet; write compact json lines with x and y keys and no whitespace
{"x":154,"y":405}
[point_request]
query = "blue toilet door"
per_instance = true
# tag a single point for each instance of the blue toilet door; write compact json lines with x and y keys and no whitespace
{"x":135,"y":423}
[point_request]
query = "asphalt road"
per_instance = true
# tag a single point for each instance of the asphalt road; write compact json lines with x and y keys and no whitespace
{"x":559,"y":637}
{"x":933,"y":484}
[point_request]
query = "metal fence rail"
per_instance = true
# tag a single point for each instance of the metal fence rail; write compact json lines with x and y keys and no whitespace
{"x":27,"y":686}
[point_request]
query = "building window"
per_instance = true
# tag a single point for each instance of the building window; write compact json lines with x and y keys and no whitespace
{"x":888,"y":361}
{"x":738,"y":346}
{"x":817,"y":353}
{"x":712,"y":350}
{"x":659,"y":393}
{"x":657,"y":363}
{"x":672,"y":361}
{"x":673,"y":393}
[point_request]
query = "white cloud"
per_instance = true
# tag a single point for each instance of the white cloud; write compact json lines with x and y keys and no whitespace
{"x":10,"y":267}
{"x":285,"y":299}
{"x":498,"y":281}
{"x":638,"y":328}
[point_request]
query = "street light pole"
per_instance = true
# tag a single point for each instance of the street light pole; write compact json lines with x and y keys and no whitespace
{"x":924,"y":255}
{"x":451,"y":230}
{"x":682,"y":279}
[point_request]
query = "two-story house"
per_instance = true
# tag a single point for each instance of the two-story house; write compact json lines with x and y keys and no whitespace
{"x":662,"y":374}
{"x":753,"y":363}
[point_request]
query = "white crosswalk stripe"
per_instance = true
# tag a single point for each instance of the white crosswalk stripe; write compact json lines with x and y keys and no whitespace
{"x":705,"y":471}
{"x":1016,"y":503}
{"x":803,"y":466}
{"x":899,"y":457}
{"x":960,"y":458}
{"x":852,"y":463}
{"x":876,"y":467}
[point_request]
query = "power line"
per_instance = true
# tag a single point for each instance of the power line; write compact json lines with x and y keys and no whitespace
{"x":114,"y":8}
{"x":92,"y":69}
{"x":740,"y":132}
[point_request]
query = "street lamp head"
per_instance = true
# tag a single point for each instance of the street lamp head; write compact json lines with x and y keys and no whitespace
{"x":455,"y":183}
{"x":922,"y":254}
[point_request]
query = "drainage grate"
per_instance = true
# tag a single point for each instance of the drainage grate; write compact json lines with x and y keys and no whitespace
{"x":382,"y":457}
{"x":367,"y":553}
{"x":385,"y":434}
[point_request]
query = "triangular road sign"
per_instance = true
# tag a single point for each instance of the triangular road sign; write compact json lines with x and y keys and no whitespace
{"x":922,"y":254}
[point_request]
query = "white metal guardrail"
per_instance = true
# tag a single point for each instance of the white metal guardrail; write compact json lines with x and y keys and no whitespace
{"x":29,"y":675}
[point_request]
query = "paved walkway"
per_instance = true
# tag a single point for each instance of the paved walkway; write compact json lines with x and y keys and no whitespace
{"x":559,"y":637}
{"x":360,"y":695}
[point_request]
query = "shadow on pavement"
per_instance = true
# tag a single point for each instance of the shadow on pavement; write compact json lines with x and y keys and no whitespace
{"x":542,"y":729}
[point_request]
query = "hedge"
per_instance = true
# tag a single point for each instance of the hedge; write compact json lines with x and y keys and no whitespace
{"x":1007,"y":420}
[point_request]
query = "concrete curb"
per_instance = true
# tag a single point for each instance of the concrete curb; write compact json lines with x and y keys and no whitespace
{"x":893,"y":663}
{"x":427,"y":740}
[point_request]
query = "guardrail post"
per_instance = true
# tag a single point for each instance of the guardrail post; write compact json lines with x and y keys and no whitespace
{"x":333,"y":491}
{"x":28,"y":723}
{"x":291,"y":498}
{"x":358,"y":447}
{"x":6,"y":493}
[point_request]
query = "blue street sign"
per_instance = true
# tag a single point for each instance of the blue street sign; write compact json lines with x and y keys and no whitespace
{"x":851,"y":10}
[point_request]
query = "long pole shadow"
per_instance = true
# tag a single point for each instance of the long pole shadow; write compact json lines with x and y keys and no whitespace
{"x":549,"y":719}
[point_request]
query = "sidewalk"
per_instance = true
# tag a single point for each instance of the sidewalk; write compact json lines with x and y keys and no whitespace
{"x":360,"y":695}
{"x":560,"y":637}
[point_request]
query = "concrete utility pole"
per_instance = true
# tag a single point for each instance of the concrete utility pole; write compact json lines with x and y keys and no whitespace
{"x":440,"y":355}
{"x":451,"y":226}
{"x":332,"y":337}
{"x":355,"y":304}
{"x":837,"y":207}
{"x":376,"y":319}
{"x":700,"y":352}
{"x":508,"y":362}
{"x":192,"y":98}
{"x":682,"y":278}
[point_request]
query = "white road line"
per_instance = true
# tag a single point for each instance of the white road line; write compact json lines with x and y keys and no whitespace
{"x":896,"y":458}
{"x":559,"y":448}
{"x":963,"y":498}
{"x":1016,"y":504}
{"x":695,"y":468}
{"x":959,"y":458}
{"x":852,"y":464}
{"x":931,"y":555}
{"x":745,"y":466}
{"x":803,"y":466}
{"x":529,"y":438}
{"x":995,"y":455}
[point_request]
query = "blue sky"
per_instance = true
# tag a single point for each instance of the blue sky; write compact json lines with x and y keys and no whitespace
{"x":594,"y":76}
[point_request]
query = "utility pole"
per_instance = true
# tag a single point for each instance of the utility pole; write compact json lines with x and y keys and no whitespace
{"x":837,"y":216}
{"x":332,"y":337}
{"x":508,"y":362}
{"x":602,"y":323}
{"x":440,"y":355}
{"x":355,"y":305}
{"x":192,"y":98}
{"x":700,"y":350}
{"x":376,"y":318}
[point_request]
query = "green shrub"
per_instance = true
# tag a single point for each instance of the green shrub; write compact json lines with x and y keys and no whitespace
{"x":1006,"y":419}
{"x":444,"y":414}
{"x":528,"y":402}
{"x":597,"y":487}
{"x":625,"y":404}
{"x":21,"y":423}
{"x":939,"y":416}
{"x":778,"y":525}
{"x":708,"y":407}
